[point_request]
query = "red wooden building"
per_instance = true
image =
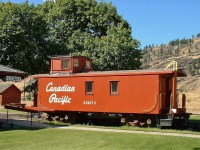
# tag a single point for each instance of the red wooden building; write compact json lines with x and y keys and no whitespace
{"x":9,"y":93}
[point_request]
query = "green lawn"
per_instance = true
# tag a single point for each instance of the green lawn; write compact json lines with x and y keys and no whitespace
{"x":195,"y":117}
{"x":59,"y":139}
{"x":10,"y":111}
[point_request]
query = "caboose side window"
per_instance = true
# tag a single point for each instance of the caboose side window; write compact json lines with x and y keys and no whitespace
{"x":76,"y":63}
{"x":114,"y":87}
{"x":88,"y":64}
{"x":65,"y":64}
{"x":88,"y":87}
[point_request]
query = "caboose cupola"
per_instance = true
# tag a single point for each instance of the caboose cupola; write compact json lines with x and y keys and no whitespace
{"x":70,"y":64}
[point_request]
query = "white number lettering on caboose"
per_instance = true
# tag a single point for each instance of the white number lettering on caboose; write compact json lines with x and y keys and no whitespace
{"x":89,"y":102}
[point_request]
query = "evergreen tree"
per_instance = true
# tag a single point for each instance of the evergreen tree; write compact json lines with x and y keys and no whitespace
{"x":198,"y":35}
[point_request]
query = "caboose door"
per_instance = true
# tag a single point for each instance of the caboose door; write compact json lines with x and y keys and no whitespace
{"x":168,"y":91}
{"x":165,"y":92}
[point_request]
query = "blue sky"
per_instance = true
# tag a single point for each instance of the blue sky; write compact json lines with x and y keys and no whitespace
{"x":156,"y":21}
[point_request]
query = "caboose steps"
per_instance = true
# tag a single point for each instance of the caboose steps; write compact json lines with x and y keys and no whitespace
{"x":165,"y":123}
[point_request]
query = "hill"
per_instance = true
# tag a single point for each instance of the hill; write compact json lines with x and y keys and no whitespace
{"x":187,"y":54}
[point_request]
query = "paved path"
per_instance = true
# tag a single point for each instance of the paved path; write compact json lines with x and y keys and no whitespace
{"x":131,"y":132}
{"x":41,"y":125}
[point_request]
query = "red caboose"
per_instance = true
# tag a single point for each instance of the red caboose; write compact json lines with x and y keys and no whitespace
{"x":137,"y":96}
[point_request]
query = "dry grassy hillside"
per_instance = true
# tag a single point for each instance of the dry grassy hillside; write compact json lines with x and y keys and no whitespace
{"x":188,"y":58}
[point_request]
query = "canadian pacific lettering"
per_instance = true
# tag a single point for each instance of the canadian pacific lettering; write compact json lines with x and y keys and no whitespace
{"x":53,"y":98}
{"x":64,"y":88}
{"x":64,"y":99}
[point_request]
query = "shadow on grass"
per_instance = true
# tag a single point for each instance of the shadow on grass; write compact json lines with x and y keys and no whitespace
{"x":13,"y":124}
{"x":10,"y":127}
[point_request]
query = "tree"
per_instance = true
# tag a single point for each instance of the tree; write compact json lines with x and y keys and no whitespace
{"x":193,"y":36}
{"x":24,"y":42}
{"x":198,"y":35}
{"x":29,"y":34}
{"x":177,"y":50}
{"x":161,"y":51}
{"x":116,"y":51}
{"x":85,"y":27}
{"x":172,"y":43}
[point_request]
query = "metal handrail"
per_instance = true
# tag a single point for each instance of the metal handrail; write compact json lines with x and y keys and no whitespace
{"x":174,"y":64}
{"x":177,"y":99}
{"x":170,"y":101}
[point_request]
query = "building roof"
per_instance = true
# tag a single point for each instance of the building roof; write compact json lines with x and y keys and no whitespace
{"x":4,"y":87}
{"x":7,"y":71}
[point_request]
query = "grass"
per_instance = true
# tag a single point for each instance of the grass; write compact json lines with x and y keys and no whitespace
{"x":10,"y":111}
{"x":54,"y":139}
{"x":56,"y":123}
{"x":195,"y":117}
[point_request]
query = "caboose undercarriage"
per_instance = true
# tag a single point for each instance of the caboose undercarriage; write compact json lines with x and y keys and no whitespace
{"x":140,"y":120}
{"x":176,"y":120}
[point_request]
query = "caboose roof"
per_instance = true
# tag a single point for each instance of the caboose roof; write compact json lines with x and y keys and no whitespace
{"x":62,"y":57}
{"x":180,"y":73}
